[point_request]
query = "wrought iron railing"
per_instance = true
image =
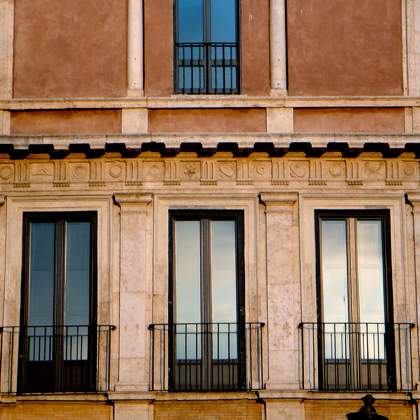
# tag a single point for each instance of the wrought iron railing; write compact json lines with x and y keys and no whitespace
{"x":206,"y":357}
{"x":51,"y":359}
{"x":207,"y":68}
{"x":338,"y":356}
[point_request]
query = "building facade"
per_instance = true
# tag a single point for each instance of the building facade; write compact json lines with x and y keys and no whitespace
{"x":209,"y":208}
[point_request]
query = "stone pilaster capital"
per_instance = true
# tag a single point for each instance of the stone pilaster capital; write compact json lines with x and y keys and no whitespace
{"x":414,"y":199}
{"x":275,"y":202}
{"x":132,"y":201}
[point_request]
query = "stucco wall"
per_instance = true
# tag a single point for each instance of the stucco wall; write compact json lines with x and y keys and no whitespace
{"x":346,"y":120}
{"x":158,"y":47}
{"x":70,"y":48}
{"x":255,"y":47}
{"x":344,"y":47}
{"x":66,"y":122}
{"x":207,"y":120}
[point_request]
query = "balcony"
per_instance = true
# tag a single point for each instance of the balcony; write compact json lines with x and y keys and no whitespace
{"x":55,"y":359}
{"x":206,"y":68}
{"x":356,"y":356}
{"x":206,"y":357}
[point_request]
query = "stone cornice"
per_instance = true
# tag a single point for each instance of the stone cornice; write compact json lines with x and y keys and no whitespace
{"x":211,"y":140}
{"x":210,"y":101}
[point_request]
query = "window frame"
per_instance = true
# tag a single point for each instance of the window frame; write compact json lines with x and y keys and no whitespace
{"x":360,"y":214}
{"x":59,"y":219}
{"x":206,"y":357}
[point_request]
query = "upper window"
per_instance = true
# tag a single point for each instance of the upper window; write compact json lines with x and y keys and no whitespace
{"x":206,"y":46}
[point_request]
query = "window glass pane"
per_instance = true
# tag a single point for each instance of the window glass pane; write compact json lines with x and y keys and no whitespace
{"x":190,"y":21}
{"x":223,"y":20}
{"x":223,"y":271}
{"x":334,"y":270}
{"x":370,"y":270}
{"x":78,"y":269}
{"x":370,"y":273}
{"x":41,"y":274}
{"x":77,"y":293}
{"x":223,"y":281}
{"x":187,"y":287}
{"x":334,"y":287}
{"x":41,"y":291}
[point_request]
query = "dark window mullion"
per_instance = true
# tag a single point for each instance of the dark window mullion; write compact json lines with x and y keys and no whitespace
{"x":206,"y":318}
{"x":59,"y":301}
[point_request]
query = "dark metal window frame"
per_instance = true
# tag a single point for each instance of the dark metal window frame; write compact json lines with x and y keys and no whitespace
{"x":207,"y":216}
{"x":207,"y":52}
{"x":59,"y":219}
{"x":362,"y":214}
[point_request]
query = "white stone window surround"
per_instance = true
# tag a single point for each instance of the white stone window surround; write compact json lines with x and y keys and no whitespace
{"x":402,"y":248}
{"x":254,"y":249}
{"x":11,"y":219}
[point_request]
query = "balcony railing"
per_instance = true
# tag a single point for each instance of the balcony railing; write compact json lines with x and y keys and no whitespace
{"x":206,"y":357}
{"x":356,"y":356}
{"x":51,"y":359}
{"x":206,"y":68}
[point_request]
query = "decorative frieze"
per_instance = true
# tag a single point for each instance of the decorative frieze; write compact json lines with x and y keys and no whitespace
{"x":291,"y":170}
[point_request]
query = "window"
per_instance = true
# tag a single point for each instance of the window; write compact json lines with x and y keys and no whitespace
{"x":206,"y":306}
{"x":58,"y":330}
{"x":355,"y":331}
{"x":206,"y":46}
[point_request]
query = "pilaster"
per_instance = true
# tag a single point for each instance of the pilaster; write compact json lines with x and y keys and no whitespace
{"x":278,"y":47}
{"x":135,"y":289}
{"x":135,"y":49}
{"x":7,"y":8}
{"x":414,"y":199}
{"x":412,"y":21}
{"x":283,"y":289}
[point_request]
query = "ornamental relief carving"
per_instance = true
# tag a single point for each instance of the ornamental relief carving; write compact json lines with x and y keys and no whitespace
{"x":41,"y":172}
{"x":190,"y":170}
{"x":209,"y":171}
{"x":6,"y":172}
{"x":335,"y":169}
{"x":115,"y":170}
{"x":299,"y":169}
{"x":374,"y":169}
{"x":227,"y":170}
{"x":262,"y":170}
{"x":79,"y":172}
